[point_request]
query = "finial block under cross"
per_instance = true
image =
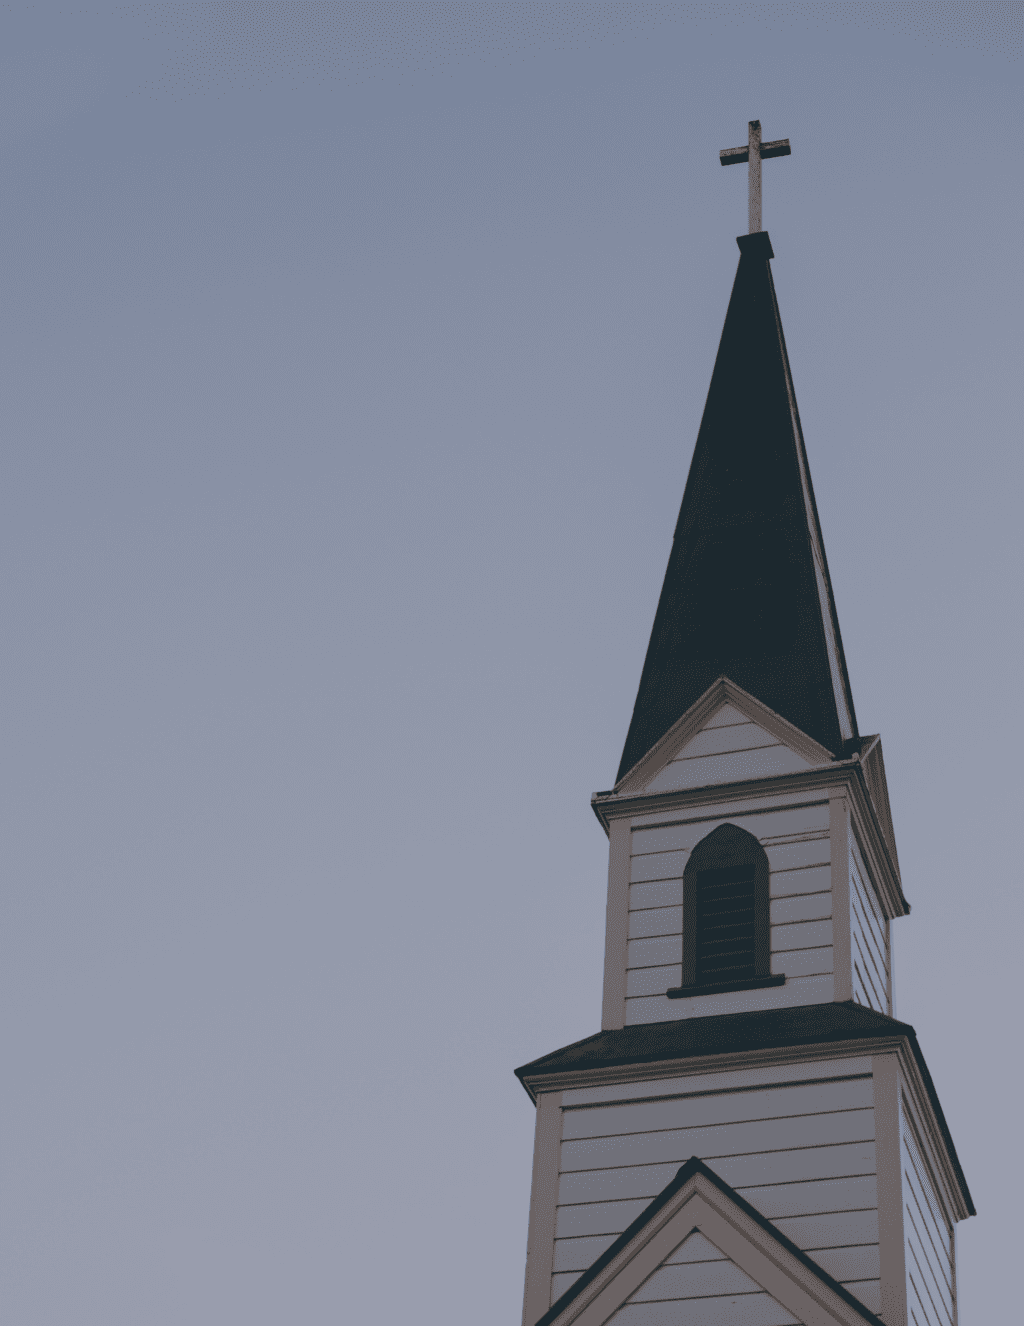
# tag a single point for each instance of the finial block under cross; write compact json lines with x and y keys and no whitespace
{"x":754,"y":153}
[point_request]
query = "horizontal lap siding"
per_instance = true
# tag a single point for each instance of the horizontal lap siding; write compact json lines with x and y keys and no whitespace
{"x":801,"y":1152}
{"x":869,"y":937}
{"x":801,"y":911}
{"x":738,"y":1310}
{"x":726,"y":754}
{"x":928,"y":1240}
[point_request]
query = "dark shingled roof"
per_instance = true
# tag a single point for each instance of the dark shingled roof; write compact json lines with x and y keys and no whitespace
{"x":696,"y":1166}
{"x":685,"y":1038}
{"x":741,"y":595}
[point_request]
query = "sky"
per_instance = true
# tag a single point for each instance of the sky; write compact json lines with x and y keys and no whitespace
{"x":351,"y":361}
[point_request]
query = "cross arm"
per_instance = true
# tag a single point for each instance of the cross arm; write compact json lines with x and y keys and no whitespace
{"x":735,"y":156}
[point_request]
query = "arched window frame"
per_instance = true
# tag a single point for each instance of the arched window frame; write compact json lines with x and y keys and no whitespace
{"x":726,"y":847}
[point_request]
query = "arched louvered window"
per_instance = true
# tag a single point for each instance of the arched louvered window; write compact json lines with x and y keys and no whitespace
{"x":726,"y":923}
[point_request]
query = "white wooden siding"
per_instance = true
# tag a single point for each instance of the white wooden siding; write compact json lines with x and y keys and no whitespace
{"x":797,"y":1141}
{"x":796,"y":842}
{"x":928,"y":1238}
{"x":726,"y":753}
{"x":869,"y":939}
{"x":699,"y":1284}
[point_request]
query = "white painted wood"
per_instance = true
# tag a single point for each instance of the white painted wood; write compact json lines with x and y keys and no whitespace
{"x":809,"y":879}
{"x":683,"y":1280}
{"x":560,"y":1283}
{"x":693,"y":1084}
{"x":543,"y":1206}
{"x":659,"y":893}
{"x":716,"y":1140}
{"x":930,"y":1273}
{"x":844,"y":1264}
{"x":601,"y":1218}
{"x":806,"y":907}
{"x":720,"y":740}
{"x":655,"y":952}
{"x":801,"y":934}
{"x":803,"y":962}
{"x":801,"y":990}
{"x":695,"y":1248}
{"x":770,"y":1169}
{"x":813,"y":851}
{"x":726,"y":715}
{"x":868,"y":1291}
{"x":735,"y":767}
{"x":738,"y":1310}
{"x":869,"y":938}
{"x":658,"y":865}
{"x":578,"y":1254}
{"x":892,"y":1256}
{"x":837,"y":1229}
{"x":786,"y":821}
{"x":642,"y":981}
{"x":613,"y":1001}
{"x":839,"y":836}
{"x":688,"y":1111}
{"x":792,"y":1199}
{"x":624,"y":1283}
{"x":753,"y":804}
{"x":656,"y":921}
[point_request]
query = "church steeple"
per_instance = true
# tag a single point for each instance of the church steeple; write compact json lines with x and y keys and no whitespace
{"x":747,"y":592}
{"x":752,"y":1135}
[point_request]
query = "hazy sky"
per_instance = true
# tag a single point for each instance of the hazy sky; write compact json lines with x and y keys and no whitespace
{"x":352,"y":361}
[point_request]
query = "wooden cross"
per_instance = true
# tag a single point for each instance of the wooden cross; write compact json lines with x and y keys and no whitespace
{"x":754,"y":153}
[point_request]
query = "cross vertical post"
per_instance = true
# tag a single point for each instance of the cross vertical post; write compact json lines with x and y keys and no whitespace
{"x":754,"y":176}
{"x":753,"y":154}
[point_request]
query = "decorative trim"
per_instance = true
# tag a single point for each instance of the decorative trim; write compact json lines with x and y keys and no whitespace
{"x":842,"y":942}
{"x":889,"y":1168}
{"x":616,"y":929}
{"x":540,"y":1242}
{"x":725,"y":987}
{"x":719,"y":693}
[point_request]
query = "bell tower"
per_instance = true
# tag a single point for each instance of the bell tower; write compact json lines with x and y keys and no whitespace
{"x":751,"y":1138}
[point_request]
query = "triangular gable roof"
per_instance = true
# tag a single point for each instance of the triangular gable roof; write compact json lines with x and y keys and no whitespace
{"x":707,"y":710}
{"x":732,"y":1033}
{"x":747,"y":590}
{"x":698,"y":1199}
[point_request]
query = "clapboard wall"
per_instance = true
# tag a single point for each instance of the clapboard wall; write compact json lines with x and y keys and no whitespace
{"x":928,"y":1235}
{"x":696,"y":1285}
{"x":728,"y":748}
{"x":869,"y":939}
{"x":796,"y":840}
{"x":797,"y":1141}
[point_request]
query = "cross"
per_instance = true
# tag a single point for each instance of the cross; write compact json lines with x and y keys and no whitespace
{"x":754,"y":153}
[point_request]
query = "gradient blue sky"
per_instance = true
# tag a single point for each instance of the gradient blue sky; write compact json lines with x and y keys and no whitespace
{"x":352,"y":360}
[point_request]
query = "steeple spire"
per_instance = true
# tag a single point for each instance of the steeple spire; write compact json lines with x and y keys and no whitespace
{"x":747,"y":592}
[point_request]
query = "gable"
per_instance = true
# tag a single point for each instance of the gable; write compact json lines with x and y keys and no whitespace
{"x":698,"y":1255}
{"x":698,"y":1285}
{"x":728,"y":748}
{"x":727,"y":736}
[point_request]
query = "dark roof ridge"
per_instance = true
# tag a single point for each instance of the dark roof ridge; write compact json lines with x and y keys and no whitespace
{"x":697,"y":1166}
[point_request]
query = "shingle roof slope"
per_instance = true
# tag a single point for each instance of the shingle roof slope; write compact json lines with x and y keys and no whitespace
{"x":742,"y":595}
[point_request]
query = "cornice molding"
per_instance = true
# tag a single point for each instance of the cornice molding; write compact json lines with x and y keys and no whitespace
{"x":627,"y":1074}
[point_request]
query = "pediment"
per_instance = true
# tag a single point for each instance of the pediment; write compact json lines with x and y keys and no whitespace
{"x":727,"y":736}
{"x":704,"y":1255}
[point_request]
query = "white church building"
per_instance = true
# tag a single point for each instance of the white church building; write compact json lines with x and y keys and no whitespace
{"x":751,"y":1139}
